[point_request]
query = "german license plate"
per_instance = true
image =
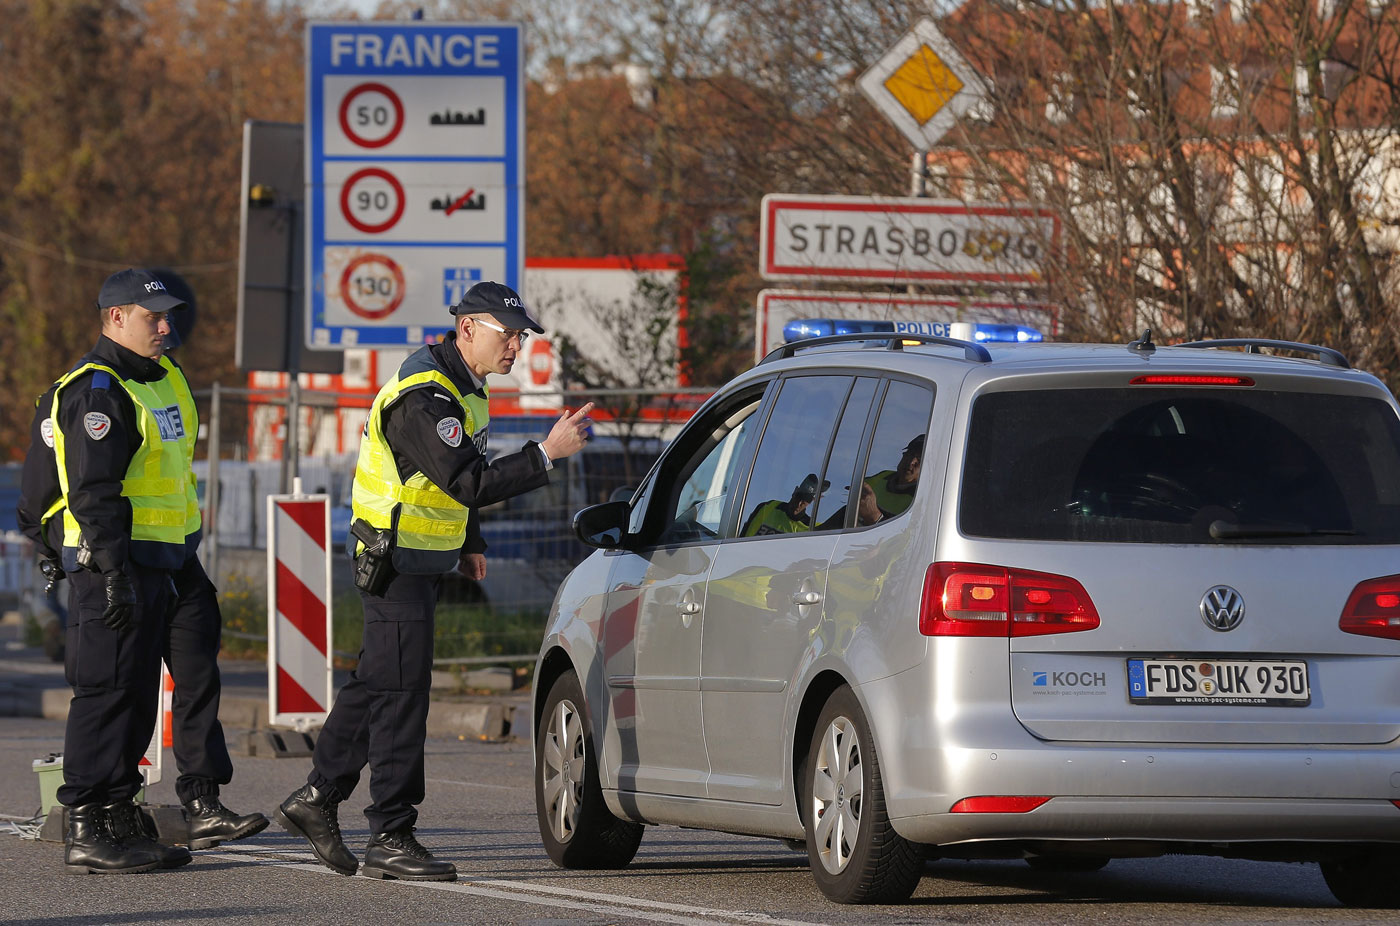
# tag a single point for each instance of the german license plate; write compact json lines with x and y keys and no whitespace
{"x":1279,"y":683}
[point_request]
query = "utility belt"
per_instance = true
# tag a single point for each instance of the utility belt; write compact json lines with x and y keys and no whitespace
{"x":374,"y":566}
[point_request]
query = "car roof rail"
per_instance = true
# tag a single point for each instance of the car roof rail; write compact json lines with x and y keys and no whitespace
{"x":1325,"y":355}
{"x":971,"y":350}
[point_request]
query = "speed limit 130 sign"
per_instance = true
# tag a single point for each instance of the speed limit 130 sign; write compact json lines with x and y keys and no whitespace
{"x":414,"y":175}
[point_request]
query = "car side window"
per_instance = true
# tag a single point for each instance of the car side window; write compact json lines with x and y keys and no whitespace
{"x":896,"y":453}
{"x":706,"y":478}
{"x":830,"y":510}
{"x":787,"y":472}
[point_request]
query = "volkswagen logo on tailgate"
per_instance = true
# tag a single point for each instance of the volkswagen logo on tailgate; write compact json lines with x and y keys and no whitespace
{"x":1222,"y":608}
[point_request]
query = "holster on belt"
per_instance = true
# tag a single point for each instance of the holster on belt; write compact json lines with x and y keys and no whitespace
{"x":374,"y":565}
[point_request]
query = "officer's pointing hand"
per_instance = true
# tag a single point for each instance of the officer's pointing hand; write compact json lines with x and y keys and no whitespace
{"x":121,"y":601}
{"x":569,"y":433}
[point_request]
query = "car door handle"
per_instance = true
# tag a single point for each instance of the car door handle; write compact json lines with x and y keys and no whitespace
{"x":809,"y":597}
{"x":688,"y":607}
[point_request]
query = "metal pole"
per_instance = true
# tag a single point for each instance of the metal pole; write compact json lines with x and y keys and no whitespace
{"x":211,"y":486}
{"x":291,"y":443}
{"x":919,"y":184}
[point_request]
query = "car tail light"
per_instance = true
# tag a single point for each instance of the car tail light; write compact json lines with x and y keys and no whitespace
{"x":1013,"y":803}
{"x":970,"y":600}
{"x":1397,"y":804}
{"x":1373,"y":610}
{"x":1176,"y":379}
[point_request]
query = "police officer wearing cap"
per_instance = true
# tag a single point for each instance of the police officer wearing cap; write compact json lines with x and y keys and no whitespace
{"x":192,"y":629}
{"x":420,"y":475}
{"x":785,"y":517}
{"x":117,"y":427}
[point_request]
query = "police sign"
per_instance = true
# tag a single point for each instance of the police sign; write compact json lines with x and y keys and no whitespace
{"x":891,"y":240}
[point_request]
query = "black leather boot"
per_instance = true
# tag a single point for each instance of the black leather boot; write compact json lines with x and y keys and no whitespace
{"x":212,"y":823}
{"x":314,"y":816}
{"x":133,"y":828}
{"x":91,"y":847}
{"x":400,"y":855}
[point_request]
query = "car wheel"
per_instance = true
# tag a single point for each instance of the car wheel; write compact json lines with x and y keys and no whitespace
{"x":1365,"y":880}
{"x":1067,"y":863}
{"x":577,"y":828}
{"x":854,"y":852}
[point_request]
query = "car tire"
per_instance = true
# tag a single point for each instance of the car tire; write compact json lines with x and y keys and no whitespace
{"x":1365,"y":880}
{"x":1067,"y":864}
{"x":576,"y":826}
{"x":854,"y":853}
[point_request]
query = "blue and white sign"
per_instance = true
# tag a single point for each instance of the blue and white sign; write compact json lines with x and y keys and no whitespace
{"x":415,"y":175}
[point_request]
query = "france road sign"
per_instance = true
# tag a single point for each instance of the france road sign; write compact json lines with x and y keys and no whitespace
{"x":415,"y":175}
{"x":923,"y":85}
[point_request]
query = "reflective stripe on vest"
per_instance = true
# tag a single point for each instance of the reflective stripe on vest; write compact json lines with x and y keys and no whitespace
{"x":429,"y":525}
{"x":155,"y":478}
{"x":189,"y":416}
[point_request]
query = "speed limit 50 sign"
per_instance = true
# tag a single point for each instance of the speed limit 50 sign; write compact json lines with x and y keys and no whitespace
{"x":415,"y":175}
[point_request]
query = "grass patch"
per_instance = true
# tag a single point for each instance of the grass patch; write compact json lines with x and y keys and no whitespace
{"x":460,"y":630}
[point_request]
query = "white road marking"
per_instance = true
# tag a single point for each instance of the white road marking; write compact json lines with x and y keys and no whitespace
{"x":546,"y":895}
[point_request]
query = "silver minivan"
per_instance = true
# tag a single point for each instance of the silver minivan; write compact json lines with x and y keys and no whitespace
{"x":915,"y":597}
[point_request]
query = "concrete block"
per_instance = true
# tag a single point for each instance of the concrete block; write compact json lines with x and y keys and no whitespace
{"x":54,"y":703}
{"x":445,"y":681}
{"x":276,"y":744}
{"x":491,"y":678}
{"x":476,"y":720}
{"x":243,"y":712}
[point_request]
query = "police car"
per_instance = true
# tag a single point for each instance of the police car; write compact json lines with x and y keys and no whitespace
{"x":1058,"y":602}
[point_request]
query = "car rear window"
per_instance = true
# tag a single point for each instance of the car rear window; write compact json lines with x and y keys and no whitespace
{"x":1149,"y":465}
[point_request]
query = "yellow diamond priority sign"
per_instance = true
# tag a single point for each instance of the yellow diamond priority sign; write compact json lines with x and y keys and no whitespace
{"x":922,"y":85}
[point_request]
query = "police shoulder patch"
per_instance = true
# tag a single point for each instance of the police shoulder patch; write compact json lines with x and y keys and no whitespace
{"x":46,"y":431}
{"x":97,"y":425}
{"x":450,"y":430}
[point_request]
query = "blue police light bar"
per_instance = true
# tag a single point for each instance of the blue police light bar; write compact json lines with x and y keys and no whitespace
{"x":1015,"y":334}
{"x":980,"y":332}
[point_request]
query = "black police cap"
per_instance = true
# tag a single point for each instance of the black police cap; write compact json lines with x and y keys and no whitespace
{"x":137,"y":287}
{"x":500,"y":302}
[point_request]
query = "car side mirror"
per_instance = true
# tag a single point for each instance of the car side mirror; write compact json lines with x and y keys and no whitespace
{"x":603,"y":526}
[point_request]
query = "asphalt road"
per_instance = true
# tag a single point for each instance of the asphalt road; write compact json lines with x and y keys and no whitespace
{"x":479,"y":813}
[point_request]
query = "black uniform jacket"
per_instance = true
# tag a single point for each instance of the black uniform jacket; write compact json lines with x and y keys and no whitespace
{"x":411,"y":428}
{"x":96,"y":466}
{"x":38,"y":483}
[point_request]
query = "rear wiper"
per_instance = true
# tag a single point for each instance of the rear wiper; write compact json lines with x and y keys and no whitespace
{"x":1224,"y":530}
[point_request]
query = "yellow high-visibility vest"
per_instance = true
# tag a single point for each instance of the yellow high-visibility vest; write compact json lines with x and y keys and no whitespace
{"x":429,"y":525}
{"x":155,"y":481}
{"x":189,"y":415}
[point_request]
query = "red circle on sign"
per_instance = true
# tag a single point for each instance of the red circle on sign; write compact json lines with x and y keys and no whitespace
{"x":540,"y":361}
{"x":355,"y":178}
{"x":345,"y":115}
{"x":345,"y":291}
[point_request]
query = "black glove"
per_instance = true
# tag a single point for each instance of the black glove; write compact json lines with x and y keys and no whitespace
{"x":121,"y":601}
{"x":53,"y":571}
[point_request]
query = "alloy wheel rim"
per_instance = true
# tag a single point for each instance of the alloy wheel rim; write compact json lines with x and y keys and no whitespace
{"x":837,"y":795}
{"x":561,"y":770}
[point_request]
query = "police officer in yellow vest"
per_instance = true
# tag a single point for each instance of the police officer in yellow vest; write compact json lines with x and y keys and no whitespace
{"x":894,"y":489}
{"x":785,"y":517}
{"x":118,"y":429}
{"x":420,"y":474}
{"x":191,"y":638}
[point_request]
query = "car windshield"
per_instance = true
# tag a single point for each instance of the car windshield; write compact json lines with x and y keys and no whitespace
{"x":1149,"y":465}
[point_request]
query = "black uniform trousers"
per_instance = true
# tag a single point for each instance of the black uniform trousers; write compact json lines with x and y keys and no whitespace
{"x":380,"y":717}
{"x":116,"y":681}
{"x":191,"y":652}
